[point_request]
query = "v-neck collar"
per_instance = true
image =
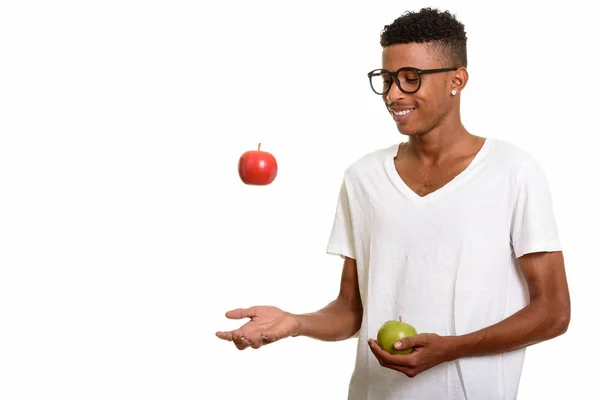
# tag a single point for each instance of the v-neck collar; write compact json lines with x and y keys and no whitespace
{"x":404,"y":188}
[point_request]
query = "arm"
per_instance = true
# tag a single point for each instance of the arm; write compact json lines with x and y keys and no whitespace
{"x":545,"y":317}
{"x":341,"y":318}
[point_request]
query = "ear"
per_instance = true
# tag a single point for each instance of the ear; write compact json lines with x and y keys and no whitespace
{"x":459,"y":81}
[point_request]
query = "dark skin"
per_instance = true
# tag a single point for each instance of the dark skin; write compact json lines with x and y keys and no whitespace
{"x":339,"y":320}
{"x":545,"y":317}
{"x":440,"y":147}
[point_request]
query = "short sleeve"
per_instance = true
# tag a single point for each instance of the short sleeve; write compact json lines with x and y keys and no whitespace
{"x":533,"y":227}
{"x":341,"y":239}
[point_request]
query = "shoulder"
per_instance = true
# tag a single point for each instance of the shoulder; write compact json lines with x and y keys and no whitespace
{"x":371,"y":163}
{"x":509,"y":153}
{"x":510,"y":158}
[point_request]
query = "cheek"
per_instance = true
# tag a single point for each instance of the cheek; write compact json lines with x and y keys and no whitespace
{"x":431,"y":104}
{"x":427,"y":104}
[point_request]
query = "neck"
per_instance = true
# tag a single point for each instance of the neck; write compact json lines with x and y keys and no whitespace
{"x":445,"y":140}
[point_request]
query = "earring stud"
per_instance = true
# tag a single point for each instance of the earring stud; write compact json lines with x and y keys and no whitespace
{"x":453,"y":92}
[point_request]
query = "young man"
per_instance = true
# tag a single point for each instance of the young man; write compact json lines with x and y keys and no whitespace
{"x":451,"y":231}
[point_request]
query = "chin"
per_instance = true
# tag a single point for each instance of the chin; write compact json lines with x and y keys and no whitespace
{"x":409,"y":130}
{"x":415,"y":129}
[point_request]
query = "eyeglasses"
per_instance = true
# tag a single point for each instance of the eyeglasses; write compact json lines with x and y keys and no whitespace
{"x":408,"y":79}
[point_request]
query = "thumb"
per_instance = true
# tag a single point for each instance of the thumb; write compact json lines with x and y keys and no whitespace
{"x":408,"y":342}
{"x":240,"y":313}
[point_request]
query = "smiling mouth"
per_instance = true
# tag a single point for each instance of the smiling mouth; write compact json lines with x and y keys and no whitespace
{"x":403,"y":112}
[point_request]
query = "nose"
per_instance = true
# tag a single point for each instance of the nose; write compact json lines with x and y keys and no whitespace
{"x":394,"y":94}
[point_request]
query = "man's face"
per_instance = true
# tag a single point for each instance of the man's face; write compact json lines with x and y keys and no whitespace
{"x":420,"y":112}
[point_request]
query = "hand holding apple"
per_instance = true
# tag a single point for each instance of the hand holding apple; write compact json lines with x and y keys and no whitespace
{"x":257,"y":167}
{"x":429,"y":350}
{"x":394,"y":331}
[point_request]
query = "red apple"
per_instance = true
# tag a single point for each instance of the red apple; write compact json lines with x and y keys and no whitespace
{"x":257,"y":167}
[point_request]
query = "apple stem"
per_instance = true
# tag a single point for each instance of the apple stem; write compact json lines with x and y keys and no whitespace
{"x":259,"y":147}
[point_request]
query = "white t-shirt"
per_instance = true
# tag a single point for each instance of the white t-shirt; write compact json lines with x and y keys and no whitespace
{"x":445,"y":262}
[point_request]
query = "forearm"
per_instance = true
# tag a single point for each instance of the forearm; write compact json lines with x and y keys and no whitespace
{"x":537,"y":322}
{"x":338,"y":320}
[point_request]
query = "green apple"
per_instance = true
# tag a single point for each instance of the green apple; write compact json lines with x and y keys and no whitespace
{"x":394,"y":331}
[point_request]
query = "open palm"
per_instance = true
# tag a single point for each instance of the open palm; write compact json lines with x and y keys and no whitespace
{"x":267,"y":324}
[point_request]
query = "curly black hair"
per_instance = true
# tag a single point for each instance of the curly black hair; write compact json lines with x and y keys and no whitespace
{"x":439,"y":29}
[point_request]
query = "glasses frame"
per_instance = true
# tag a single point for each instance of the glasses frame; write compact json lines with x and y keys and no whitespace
{"x":419,"y":71}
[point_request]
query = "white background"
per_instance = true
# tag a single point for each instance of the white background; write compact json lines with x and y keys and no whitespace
{"x":126,"y":234}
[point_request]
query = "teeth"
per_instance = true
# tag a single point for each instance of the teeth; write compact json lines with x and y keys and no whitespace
{"x":404,"y":112}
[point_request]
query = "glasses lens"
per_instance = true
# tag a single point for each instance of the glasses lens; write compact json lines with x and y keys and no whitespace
{"x":380,"y":81}
{"x":409,"y":80}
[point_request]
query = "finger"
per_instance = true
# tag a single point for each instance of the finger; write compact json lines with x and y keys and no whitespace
{"x":271,"y":336}
{"x":381,"y":354}
{"x":240,"y":313}
{"x":376,"y":350}
{"x":381,"y":358}
{"x":397,"y":360}
{"x":240,"y":341}
{"x":241,"y":344}
{"x":225,"y":335}
{"x":409,"y":342}
{"x":255,"y":340}
{"x":236,"y":336}
{"x":405,"y":344}
{"x":410,"y":372}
